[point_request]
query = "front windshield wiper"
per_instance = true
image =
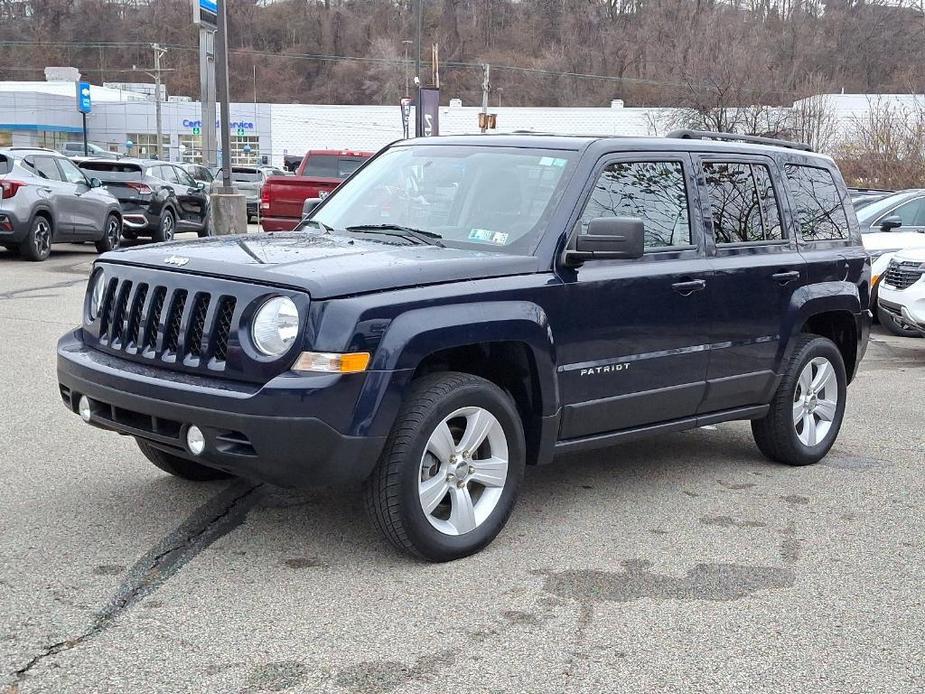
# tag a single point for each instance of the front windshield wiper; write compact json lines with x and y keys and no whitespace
{"x":428,"y":237}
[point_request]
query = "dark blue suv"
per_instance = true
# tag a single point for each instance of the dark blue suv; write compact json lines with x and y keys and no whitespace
{"x":464,"y":306}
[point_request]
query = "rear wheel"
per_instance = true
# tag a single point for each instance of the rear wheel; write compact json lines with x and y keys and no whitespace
{"x":451,"y":469}
{"x":180,"y":467}
{"x":168,"y":226}
{"x":111,"y":236}
{"x":808,"y":407}
{"x":893,"y":324}
{"x":37,"y":245}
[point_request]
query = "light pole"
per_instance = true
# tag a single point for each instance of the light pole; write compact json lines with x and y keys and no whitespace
{"x":500,"y":90}
{"x":158,"y":54}
{"x":406,"y":43}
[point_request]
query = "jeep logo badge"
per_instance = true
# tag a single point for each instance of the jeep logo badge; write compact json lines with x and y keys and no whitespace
{"x":177,"y":260}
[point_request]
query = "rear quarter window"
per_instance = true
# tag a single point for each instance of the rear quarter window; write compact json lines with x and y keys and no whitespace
{"x":6,"y":165}
{"x":818,"y":207}
{"x":332,"y":167}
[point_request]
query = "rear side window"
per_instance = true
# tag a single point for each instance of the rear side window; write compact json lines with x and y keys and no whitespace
{"x":817,"y":204}
{"x":742,"y":202}
{"x":6,"y":164}
{"x":332,"y":167}
{"x":45,"y":167}
{"x":653,"y":191}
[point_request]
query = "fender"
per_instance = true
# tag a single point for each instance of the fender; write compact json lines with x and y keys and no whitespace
{"x":414,"y":335}
{"x":46,"y":208}
{"x":812,"y":300}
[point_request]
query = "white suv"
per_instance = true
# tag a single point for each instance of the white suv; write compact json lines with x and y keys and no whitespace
{"x":902,"y":292}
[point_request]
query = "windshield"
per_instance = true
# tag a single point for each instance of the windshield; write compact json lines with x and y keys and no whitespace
{"x":868,"y":214}
{"x":491,"y":198}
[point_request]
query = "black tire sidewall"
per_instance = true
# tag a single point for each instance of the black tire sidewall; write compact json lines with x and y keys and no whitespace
{"x":104,"y":244}
{"x":159,"y":235}
{"x":819,"y":347}
{"x":28,"y":248}
{"x":431,"y":542}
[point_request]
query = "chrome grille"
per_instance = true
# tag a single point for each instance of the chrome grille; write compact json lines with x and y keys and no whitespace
{"x":903,"y":275}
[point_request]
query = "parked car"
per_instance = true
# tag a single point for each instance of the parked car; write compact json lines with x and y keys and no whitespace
{"x":861,"y":197}
{"x":320,"y":172}
{"x":888,"y":225}
{"x":158,"y":199}
{"x":273,"y":171}
{"x":76,"y":150}
{"x":46,"y":199}
{"x":249,"y":181}
{"x":902,"y":293}
{"x":464,"y":306}
{"x":199,"y":173}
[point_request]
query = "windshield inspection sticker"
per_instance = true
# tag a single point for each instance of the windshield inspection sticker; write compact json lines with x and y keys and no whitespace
{"x":499,"y":238}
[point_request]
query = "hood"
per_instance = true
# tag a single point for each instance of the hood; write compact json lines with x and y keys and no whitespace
{"x":324,"y":265}
{"x":910,"y":255}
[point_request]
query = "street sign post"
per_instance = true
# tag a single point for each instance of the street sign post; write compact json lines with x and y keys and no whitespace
{"x":427,"y":112}
{"x":84,"y":105}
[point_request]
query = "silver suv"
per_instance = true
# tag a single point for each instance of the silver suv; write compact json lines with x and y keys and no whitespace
{"x":45,"y":199}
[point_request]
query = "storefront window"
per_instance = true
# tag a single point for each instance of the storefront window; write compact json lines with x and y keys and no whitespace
{"x":52,"y":140}
{"x":145,"y":144}
{"x":241,"y":158}
{"x":191,"y":149}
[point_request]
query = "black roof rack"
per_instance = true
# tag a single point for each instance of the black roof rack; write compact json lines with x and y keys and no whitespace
{"x":733,"y":137}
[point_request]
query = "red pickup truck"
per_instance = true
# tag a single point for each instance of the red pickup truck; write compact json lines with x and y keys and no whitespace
{"x":320,"y":172}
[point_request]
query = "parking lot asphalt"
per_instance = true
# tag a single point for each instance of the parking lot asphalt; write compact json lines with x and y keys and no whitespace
{"x":686,"y":563}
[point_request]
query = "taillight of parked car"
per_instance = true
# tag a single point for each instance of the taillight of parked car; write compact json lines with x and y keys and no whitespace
{"x":142,"y":188}
{"x":8,"y":188}
{"x":265,"y":198}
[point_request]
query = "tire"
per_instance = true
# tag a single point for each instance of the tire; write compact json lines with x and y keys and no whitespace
{"x":37,"y":244}
{"x":454,"y":403}
{"x":180,"y":467}
{"x":167,"y":227}
{"x":889,"y":321}
{"x":786,"y":435}
{"x":112,"y":235}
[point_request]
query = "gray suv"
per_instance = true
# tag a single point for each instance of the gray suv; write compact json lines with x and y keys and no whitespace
{"x":45,"y":199}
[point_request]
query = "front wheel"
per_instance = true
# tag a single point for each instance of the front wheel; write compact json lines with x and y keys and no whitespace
{"x":179,"y":467}
{"x":112,"y":235}
{"x":451,"y":469}
{"x":809,"y":405}
{"x":37,"y":245}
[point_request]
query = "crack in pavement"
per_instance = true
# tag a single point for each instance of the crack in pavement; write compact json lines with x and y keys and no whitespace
{"x":14,"y":293}
{"x":217,"y":517}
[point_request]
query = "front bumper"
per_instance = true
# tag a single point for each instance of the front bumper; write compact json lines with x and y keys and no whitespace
{"x":245,"y":434}
{"x":906,"y":306}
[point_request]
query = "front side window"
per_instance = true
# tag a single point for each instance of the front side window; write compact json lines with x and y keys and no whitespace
{"x":652,"y":191}
{"x":912,"y":213}
{"x":476,"y":197}
{"x":71,"y":173}
{"x":818,"y":207}
{"x":183,"y":177}
{"x":742,"y":202}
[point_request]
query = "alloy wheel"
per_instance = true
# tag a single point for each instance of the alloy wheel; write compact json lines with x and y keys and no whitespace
{"x":815,"y":401}
{"x":167,"y":226}
{"x":463,"y":470}
{"x":112,"y":232}
{"x":41,"y":238}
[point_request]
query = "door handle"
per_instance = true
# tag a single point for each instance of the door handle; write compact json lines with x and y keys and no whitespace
{"x":783,"y":278}
{"x":689,"y":287}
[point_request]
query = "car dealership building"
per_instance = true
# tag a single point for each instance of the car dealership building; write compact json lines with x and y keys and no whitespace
{"x":123,"y":119}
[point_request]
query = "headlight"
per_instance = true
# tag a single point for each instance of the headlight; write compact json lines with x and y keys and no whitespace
{"x":96,"y":295}
{"x":275,"y":326}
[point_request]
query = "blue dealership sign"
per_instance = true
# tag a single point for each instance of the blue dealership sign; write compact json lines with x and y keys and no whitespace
{"x":84,"y":104}
{"x":206,"y":12}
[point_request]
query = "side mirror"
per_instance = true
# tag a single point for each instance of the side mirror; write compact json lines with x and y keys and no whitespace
{"x":894,"y":221}
{"x":309,"y":206}
{"x":200,"y":185}
{"x":609,"y":238}
{"x":96,"y":183}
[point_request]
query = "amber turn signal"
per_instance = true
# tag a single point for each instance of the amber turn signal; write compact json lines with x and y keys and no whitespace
{"x":330,"y":362}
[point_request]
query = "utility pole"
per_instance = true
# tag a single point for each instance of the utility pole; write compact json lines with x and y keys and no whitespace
{"x":221,"y":60}
{"x":406,"y":43}
{"x":158,"y":54}
{"x":417,"y":60}
{"x":207,"y":93}
{"x":486,"y":88}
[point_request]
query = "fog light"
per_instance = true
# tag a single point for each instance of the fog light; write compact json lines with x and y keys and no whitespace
{"x":83,"y":408}
{"x":195,"y":441}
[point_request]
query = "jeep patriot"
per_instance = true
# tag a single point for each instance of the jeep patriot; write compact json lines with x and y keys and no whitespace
{"x":462,"y":307}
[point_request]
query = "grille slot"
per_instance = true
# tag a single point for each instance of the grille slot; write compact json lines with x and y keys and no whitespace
{"x":134,"y":321}
{"x":118,"y":314}
{"x":903,"y":275}
{"x":197,"y":325}
{"x":223,"y":327}
{"x":174,"y":320}
{"x":154,"y":318}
